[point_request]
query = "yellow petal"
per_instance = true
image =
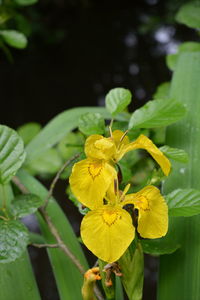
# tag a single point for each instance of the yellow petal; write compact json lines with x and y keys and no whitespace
{"x":143,"y":142}
{"x":90,"y":180}
{"x":99,"y":147}
{"x":107,"y":232}
{"x":153,"y":212}
{"x":119,"y":138}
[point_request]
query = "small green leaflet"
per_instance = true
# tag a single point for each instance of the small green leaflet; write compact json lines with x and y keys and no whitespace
{"x":175,"y":154}
{"x":117,"y":100}
{"x":14,"y":38}
{"x":159,"y":246}
{"x":12,"y":153}
{"x":162,"y":91}
{"x":26,"y":2}
{"x":157,"y":113}
{"x":13,"y":240}
{"x":189,"y":14}
{"x":28,"y":131}
{"x":183,"y":202}
{"x":24,"y":205}
{"x":91,"y":123}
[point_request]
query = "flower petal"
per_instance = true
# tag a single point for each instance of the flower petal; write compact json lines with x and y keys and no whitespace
{"x":143,"y":142}
{"x":107,"y":232}
{"x":90,"y":180}
{"x":153,"y":212}
{"x":99,"y":147}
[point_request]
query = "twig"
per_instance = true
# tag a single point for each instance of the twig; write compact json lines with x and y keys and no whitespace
{"x":66,"y":164}
{"x":45,"y":245}
{"x":20,"y":185}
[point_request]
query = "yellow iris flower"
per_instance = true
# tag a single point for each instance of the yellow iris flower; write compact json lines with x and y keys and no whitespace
{"x":108,"y":230}
{"x":91,"y":177}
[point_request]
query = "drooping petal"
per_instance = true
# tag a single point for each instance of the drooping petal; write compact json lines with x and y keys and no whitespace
{"x":107,"y":232}
{"x":90,"y":180}
{"x":153,"y":212}
{"x":120,"y":138}
{"x":143,"y":142}
{"x":99,"y":147}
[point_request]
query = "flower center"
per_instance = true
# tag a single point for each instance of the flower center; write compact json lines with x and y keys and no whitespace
{"x":110,"y":216}
{"x":95,"y":169}
{"x":142,"y":203}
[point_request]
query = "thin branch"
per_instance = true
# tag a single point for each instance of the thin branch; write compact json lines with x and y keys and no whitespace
{"x":45,"y":245}
{"x":20,"y":185}
{"x":66,"y":164}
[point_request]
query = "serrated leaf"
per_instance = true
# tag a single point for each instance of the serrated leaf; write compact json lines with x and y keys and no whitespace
{"x":189,"y":14}
{"x":172,"y":59}
{"x":162,"y":91}
{"x":117,"y":100}
{"x":159,"y":246}
{"x":13,"y":240}
{"x":28,"y":131}
{"x":175,"y":154}
{"x":14,"y":38}
{"x":91,"y":123}
{"x":132,"y":266}
{"x":183,"y":202}
{"x":12,"y":153}
{"x":24,"y":205}
{"x":25,"y":2}
{"x":157,"y":113}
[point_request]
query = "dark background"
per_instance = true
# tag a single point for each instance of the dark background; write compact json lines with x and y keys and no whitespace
{"x":77,"y":51}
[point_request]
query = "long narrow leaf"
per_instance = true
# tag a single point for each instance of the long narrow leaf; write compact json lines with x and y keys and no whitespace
{"x":180,"y":272}
{"x":68,"y":278}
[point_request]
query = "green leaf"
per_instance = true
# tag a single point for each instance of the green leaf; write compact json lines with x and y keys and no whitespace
{"x":157,"y":113}
{"x":28,"y":131}
{"x":91,"y":123}
{"x":68,"y":278}
{"x":183,"y":202}
{"x":175,"y":154}
{"x":109,"y":290}
{"x":24,"y":205}
{"x":117,"y":100}
{"x":159,"y":246}
{"x":48,"y":163}
{"x":184,"y":265}
{"x":71,"y":144}
{"x":57,"y":129}
{"x":162,"y":92}
{"x":132,"y":267}
{"x":189,"y":14}
{"x":172,"y":59}
{"x":14,"y":38}
{"x":12,"y":153}
{"x":13,"y":240}
{"x":26,"y":2}
{"x":118,"y":289}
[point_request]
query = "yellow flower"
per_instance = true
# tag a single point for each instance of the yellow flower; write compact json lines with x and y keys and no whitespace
{"x":91,"y":178}
{"x":108,"y":230}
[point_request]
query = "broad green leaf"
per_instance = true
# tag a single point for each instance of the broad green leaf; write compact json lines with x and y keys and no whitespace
{"x":13,"y":240}
{"x":157,"y":113}
{"x":184,"y":265}
{"x":26,"y":2}
{"x":159,"y":246}
{"x":183,"y":202}
{"x":175,"y":154}
{"x":68,"y":278}
{"x":24,"y":205}
{"x":28,"y":131}
{"x":172,"y":59}
{"x":14,"y":38}
{"x":117,"y":100}
{"x":12,"y":153}
{"x":189,"y":14}
{"x":16,"y":278}
{"x":71,"y":144}
{"x":132,"y":266}
{"x":162,"y":91}
{"x":91,"y":123}
{"x":118,"y":289}
{"x":57,"y":129}
{"x":48,"y":163}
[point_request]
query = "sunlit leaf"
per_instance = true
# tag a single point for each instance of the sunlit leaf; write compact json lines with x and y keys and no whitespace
{"x":26,"y":2}
{"x":117,"y":100}
{"x":175,"y":154}
{"x":14,"y":38}
{"x":159,"y":246}
{"x":162,"y":91}
{"x":91,"y":123}
{"x":189,"y":14}
{"x":24,"y":205}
